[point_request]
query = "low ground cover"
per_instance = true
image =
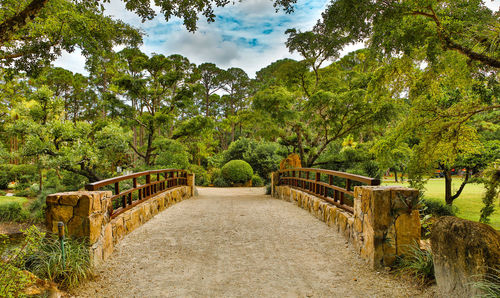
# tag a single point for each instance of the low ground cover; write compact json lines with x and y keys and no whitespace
{"x":469,"y":203}
{"x":4,"y":200}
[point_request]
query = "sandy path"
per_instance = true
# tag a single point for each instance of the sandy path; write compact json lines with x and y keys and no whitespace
{"x":238,"y":243}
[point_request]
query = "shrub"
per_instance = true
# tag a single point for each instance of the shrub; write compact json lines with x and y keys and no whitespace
{"x":13,"y":212}
{"x":220,"y":182}
{"x":257,"y":181}
{"x":263,"y":157}
{"x":437,"y":208}
{"x":268,"y":189}
{"x":237,"y":171}
{"x":46,"y":262}
{"x":171,"y":154}
{"x":216,"y":178}
{"x":200,"y":175}
{"x":417,"y":263}
{"x":13,"y":279}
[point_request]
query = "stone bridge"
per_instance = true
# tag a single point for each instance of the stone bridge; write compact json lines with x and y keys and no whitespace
{"x":239,"y":241}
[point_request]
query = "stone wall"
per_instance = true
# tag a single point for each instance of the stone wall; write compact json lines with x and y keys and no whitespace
{"x":382,"y":227}
{"x":87,"y":214}
{"x":463,"y":252}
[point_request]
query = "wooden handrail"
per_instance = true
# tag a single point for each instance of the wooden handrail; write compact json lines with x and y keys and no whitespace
{"x":125,"y":200}
{"x":300,"y":178}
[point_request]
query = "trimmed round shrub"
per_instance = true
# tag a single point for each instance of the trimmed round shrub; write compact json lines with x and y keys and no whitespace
{"x":257,"y":181}
{"x":237,"y":171}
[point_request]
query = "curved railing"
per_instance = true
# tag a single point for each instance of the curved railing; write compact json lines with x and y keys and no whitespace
{"x":140,"y":187}
{"x":331,"y":186}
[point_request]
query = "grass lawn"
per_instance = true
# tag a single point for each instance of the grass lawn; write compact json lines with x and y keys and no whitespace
{"x":4,"y":200}
{"x":469,"y":203}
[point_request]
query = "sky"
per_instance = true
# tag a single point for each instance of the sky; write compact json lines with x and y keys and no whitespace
{"x":249,"y":35}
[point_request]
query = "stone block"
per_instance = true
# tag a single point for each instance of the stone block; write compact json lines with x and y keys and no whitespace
{"x":118,"y":227}
{"x":381,"y":216}
{"x":333,"y":216}
{"x":71,"y":199}
{"x":463,"y":252}
{"x":97,"y":203}
{"x":61,"y":213}
{"x":84,"y":206}
{"x":96,"y":255}
{"x":358,"y":225}
{"x":107,"y":241}
{"x":96,"y":222}
{"x":52,"y":199}
{"x":407,"y":231}
{"x":341,"y":221}
{"x":78,"y":226}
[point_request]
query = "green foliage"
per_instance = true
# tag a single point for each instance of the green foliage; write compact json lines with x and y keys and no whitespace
{"x":200,"y":175}
{"x":13,"y":280}
{"x":257,"y":181}
{"x":492,"y":186}
{"x":46,"y":261}
{"x":237,"y":171}
{"x":489,"y":285}
{"x":172,"y":154}
{"x":263,"y":157}
{"x":418,"y":263}
{"x":13,"y":212}
{"x":438,"y":208}
{"x":268,"y":189}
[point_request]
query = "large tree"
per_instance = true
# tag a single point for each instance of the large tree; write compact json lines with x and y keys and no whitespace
{"x":60,"y":26}
{"x":394,"y":27}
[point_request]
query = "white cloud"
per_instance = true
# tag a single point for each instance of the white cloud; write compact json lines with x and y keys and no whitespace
{"x":74,"y":62}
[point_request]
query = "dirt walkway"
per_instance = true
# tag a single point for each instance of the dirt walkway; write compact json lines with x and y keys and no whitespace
{"x":238,"y":243}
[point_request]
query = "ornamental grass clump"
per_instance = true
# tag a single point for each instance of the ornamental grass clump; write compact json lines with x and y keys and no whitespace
{"x":417,"y":263}
{"x":47,"y":261}
{"x":237,"y":172}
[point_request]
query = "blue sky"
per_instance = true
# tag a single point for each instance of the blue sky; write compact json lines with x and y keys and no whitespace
{"x":249,"y":34}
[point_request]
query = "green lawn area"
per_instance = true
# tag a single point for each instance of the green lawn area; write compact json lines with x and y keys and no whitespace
{"x":4,"y":200}
{"x":469,"y":203}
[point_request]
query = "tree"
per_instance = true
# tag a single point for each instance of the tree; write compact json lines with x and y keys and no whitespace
{"x":212,"y":80}
{"x":401,"y":27}
{"x":237,"y":85}
{"x":159,"y":87}
{"x":59,"y":25}
{"x":340,"y":106}
{"x":65,"y":145}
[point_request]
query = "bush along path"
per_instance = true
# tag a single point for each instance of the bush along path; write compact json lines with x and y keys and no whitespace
{"x":238,"y":242}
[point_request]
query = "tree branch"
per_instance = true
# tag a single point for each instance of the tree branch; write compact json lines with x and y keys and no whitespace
{"x":19,"y":20}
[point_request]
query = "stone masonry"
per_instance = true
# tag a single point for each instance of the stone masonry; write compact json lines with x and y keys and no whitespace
{"x":87,"y":214}
{"x":382,"y":227}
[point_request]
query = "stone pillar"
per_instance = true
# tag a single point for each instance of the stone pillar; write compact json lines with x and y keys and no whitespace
{"x":386,"y":222}
{"x":463,"y":252}
{"x":272,"y":184}
{"x":191,"y":183}
{"x":85,"y":214}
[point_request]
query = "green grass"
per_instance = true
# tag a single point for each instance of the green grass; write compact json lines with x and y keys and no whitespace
{"x":469,"y":203}
{"x":4,"y":200}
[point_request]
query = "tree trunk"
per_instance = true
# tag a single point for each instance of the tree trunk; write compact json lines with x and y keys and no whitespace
{"x":40,"y":182}
{"x":395,"y":175}
{"x":447,"y":187}
{"x":207,"y":105}
{"x":232,"y":131}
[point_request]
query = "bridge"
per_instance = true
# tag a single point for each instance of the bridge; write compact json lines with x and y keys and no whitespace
{"x":150,"y":235}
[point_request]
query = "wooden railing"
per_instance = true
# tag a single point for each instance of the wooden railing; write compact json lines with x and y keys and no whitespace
{"x":153,"y":183}
{"x":321,"y":183}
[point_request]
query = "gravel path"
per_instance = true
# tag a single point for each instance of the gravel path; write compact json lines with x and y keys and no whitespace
{"x":238,"y":243}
